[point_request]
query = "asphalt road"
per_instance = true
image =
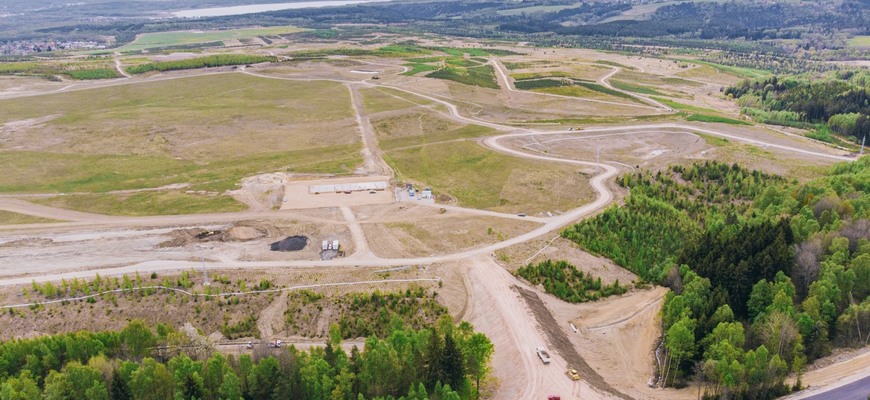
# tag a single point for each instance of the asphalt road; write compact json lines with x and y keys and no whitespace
{"x":858,"y":390}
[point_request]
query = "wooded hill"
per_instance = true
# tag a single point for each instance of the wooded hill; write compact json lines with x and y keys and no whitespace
{"x":765,"y":274}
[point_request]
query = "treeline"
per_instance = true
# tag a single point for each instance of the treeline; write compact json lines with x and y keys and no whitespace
{"x":566,"y":282}
{"x":51,"y":70}
{"x":839,"y":102}
{"x":218,"y":60}
{"x":443,"y":362}
{"x":766,"y":275}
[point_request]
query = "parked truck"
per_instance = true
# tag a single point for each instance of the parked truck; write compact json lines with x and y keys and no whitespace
{"x":543,"y":355}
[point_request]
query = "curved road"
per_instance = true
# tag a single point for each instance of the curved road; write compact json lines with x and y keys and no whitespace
{"x":535,"y":378}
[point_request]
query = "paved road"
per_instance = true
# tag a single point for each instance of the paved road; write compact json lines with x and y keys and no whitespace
{"x":858,"y":390}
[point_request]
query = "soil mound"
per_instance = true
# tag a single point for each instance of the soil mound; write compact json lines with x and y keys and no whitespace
{"x":292,"y":243}
{"x":243,"y":233}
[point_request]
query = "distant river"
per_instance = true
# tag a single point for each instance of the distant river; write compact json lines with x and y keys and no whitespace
{"x":257,"y":8}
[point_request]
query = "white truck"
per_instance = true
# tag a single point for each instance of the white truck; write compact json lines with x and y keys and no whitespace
{"x":543,"y":355}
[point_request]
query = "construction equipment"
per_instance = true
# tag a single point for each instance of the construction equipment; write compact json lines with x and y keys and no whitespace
{"x":573,"y":374}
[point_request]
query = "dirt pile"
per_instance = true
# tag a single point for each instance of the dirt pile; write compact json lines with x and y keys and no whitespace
{"x":292,"y":243}
{"x":241,"y":232}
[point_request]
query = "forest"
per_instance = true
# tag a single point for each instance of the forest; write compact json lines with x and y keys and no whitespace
{"x":838,"y":102}
{"x":765,"y":274}
{"x":442,"y":361}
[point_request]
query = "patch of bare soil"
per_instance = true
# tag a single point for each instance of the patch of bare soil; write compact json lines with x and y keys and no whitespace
{"x":271,"y":320}
{"x":617,"y":337}
{"x":440,"y":234}
{"x":559,"y":342}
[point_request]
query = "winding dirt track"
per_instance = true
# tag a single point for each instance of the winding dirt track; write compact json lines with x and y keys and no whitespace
{"x":494,"y":307}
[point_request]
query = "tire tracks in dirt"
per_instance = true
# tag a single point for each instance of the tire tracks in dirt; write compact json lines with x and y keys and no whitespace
{"x":560,"y":342}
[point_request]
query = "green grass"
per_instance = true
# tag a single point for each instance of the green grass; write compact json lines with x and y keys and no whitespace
{"x":715,"y":141}
{"x":538,"y":75}
{"x":716,"y":119}
{"x":615,"y":64}
{"x":376,"y":100}
{"x":483,"y":76}
{"x":42,"y":172}
{"x":740,"y":72}
{"x":145,"y":203}
{"x":11,"y":218}
{"x":574,"y":91}
{"x":465,"y":132}
{"x":418,"y":68}
{"x":166,"y":39}
{"x":527,"y":64}
{"x":859,"y":41}
{"x":683,"y":107}
{"x":484,"y":179}
{"x":532,"y":84}
{"x":635,"y":88}
{"x":606,"y":90}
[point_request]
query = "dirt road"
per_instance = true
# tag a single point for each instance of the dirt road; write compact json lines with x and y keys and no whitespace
{"x":500,"y":313}
{"x":373,"y":159}
{"x":494,"y":308}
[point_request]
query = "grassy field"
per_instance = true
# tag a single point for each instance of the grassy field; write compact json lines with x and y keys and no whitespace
{"x":377,"y":100}
{"x":201,"y":118}
{"x":859,"y":41}
{"x":166,"y":39}
{"x":716,"y":119}
{"x":145,"y":203}
{"x":209,"y":132}
{"x":11,"y":218}
{"x":480,"y":178}
{"x":41,"y":172}
{"x":635,"y":88}
{"x":465,"y":132}
{"x":683,"y":107}
{"x":483,"y":75}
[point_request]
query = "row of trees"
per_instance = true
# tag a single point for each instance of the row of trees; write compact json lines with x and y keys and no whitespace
{"x":217,"y":60}
{"x":767,"y":276}
{"x":442,"y":362}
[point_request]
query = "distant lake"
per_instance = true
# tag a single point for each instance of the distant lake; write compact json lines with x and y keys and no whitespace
{"x":257,"y":8}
